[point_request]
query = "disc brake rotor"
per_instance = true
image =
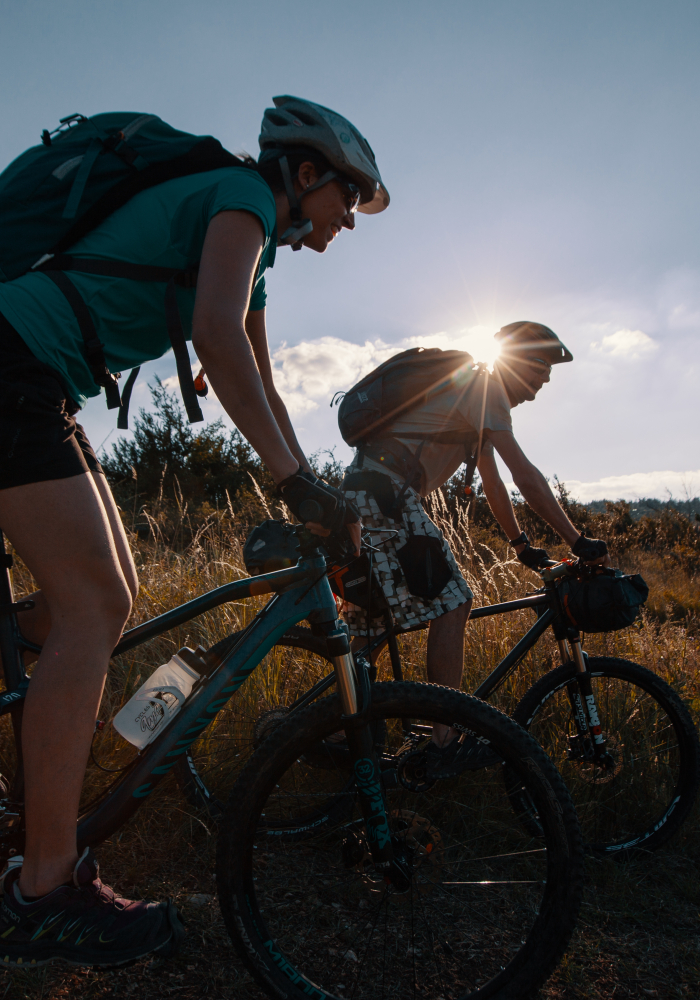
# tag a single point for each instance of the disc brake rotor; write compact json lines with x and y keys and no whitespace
{"x":593,"y":772}
{"x":415,"y":838}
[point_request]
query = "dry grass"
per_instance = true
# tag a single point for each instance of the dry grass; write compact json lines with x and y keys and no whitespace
{"x":638,"y":935}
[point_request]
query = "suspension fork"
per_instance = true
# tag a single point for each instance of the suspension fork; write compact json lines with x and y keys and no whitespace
{"x":365,"y":763}
{"x":581,"y":696}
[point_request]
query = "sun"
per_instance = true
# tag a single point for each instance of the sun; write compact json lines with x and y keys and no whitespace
{"x":479,"y":341}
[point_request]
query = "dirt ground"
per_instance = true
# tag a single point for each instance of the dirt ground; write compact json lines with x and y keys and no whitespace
{"x":638,"y":934}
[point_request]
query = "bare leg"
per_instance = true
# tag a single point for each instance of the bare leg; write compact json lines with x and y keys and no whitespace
{"x":63,"y":532}
{"x":35,"y":624}
{"x":445,"y":659}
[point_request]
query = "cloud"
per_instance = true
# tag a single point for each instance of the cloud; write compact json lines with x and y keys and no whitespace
{"x":626,"y":343}
{"x":310,"y":372}
{"x":313,"y":370}
{"x":681,"y":485}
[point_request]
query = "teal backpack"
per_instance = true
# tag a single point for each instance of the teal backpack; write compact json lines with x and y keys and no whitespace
{"x":54,"y":194}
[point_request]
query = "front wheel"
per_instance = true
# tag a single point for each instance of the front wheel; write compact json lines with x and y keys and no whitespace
{"x":489,"y":909}
{"x":650,"y":778}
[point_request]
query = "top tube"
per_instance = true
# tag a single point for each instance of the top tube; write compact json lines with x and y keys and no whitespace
{"x":253,"y":586}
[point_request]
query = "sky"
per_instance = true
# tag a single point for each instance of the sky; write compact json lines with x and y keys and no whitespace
{"x":542,"y":163}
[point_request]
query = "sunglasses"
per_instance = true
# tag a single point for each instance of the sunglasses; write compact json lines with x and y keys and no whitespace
{"x":351,"y":193}
{"x":539,"y":361}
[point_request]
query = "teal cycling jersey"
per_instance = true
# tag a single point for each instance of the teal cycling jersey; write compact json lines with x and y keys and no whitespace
{"x":164,"y":226}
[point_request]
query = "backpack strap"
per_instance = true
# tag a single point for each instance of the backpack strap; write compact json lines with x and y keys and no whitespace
{"x":110,"y":268}
{"x":58,"y":263}
{"x":93,"y":346}
{"x":473,"y":460}
{"x":182,"y":355}
{"x":81,"y":178}
{"x":123,"y":416}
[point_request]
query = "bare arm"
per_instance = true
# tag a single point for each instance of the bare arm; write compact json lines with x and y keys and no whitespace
{"x":257,"y":335}
{"x":497,"y":494}
{"x":230,"y":255}
{"x":532,"y":484}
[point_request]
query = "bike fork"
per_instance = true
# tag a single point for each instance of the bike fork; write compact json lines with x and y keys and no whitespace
{"x":582,"y":698}
{"x":365,"y":763}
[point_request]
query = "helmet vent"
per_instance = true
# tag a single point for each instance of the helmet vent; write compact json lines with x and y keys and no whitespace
{"x":276,"y":119}
{"x":306,"y":119}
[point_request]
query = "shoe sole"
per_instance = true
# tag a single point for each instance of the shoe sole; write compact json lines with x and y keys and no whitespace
{"x":165,"y":949}
{"x":109,"y":962}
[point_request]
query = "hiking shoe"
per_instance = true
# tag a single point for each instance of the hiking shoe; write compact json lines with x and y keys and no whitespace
{"x":456,"y":757}
{"x":83,"y":922}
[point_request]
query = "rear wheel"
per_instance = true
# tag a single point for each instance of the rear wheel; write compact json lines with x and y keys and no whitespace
{"x":650,"y":780}
{"x":489,"y":909}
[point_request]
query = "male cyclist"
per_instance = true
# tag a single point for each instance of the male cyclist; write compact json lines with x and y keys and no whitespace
{"x":315,"y":169}
{"x":476,"y":409}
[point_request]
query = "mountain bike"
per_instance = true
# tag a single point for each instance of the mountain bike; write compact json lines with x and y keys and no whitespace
{"x":620,"y":736}
{"x":441,"y":891}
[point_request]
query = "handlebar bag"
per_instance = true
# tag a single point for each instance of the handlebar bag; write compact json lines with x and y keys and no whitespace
{"x":270,"y":546}
{"x":606,"y":602}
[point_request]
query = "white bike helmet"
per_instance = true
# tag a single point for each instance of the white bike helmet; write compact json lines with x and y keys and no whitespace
{"x":296,"y":122}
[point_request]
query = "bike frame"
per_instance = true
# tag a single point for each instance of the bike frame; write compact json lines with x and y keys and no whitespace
{"x":549,"y":613}
{"x":300,"y":592}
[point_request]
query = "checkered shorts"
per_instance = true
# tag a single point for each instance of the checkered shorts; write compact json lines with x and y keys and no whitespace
{"x":407,"y":610}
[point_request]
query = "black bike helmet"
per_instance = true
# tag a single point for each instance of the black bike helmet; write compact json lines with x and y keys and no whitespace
{"x":517,"y":338}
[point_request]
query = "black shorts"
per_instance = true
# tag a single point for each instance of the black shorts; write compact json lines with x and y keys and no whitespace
{"x":39,"y":438}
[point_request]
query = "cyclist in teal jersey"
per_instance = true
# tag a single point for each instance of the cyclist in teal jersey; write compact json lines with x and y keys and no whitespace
{"x":314,"y":171}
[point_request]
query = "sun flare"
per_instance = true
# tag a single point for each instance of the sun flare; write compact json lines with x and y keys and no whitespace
{"x":480,"y":343}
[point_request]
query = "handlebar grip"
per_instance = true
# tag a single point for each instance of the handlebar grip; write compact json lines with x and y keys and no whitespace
{"x":310,"y":510}
{"x":559,"y":569}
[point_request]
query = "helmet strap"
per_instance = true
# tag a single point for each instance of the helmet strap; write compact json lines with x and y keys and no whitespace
{"x":301,"y":227}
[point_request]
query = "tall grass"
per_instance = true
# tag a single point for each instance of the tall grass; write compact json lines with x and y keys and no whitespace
{"x":213,"y":556}
{"x":167,"y":848}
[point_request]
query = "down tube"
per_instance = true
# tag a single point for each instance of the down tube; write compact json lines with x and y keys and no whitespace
{"x":159,"y":759}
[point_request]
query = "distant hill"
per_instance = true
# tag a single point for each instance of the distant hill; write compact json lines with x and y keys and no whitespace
{"x":651,"y":507}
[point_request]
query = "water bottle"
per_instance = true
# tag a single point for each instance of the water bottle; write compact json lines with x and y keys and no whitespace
{"x":159,"y":699}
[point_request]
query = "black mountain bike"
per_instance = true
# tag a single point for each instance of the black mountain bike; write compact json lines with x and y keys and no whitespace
{"x":620,"y":736}
{"x":443,"y":891}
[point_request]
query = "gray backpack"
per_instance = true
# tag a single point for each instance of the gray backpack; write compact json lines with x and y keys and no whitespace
{"x":403,"y":383}
{"x":392,"y":390}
